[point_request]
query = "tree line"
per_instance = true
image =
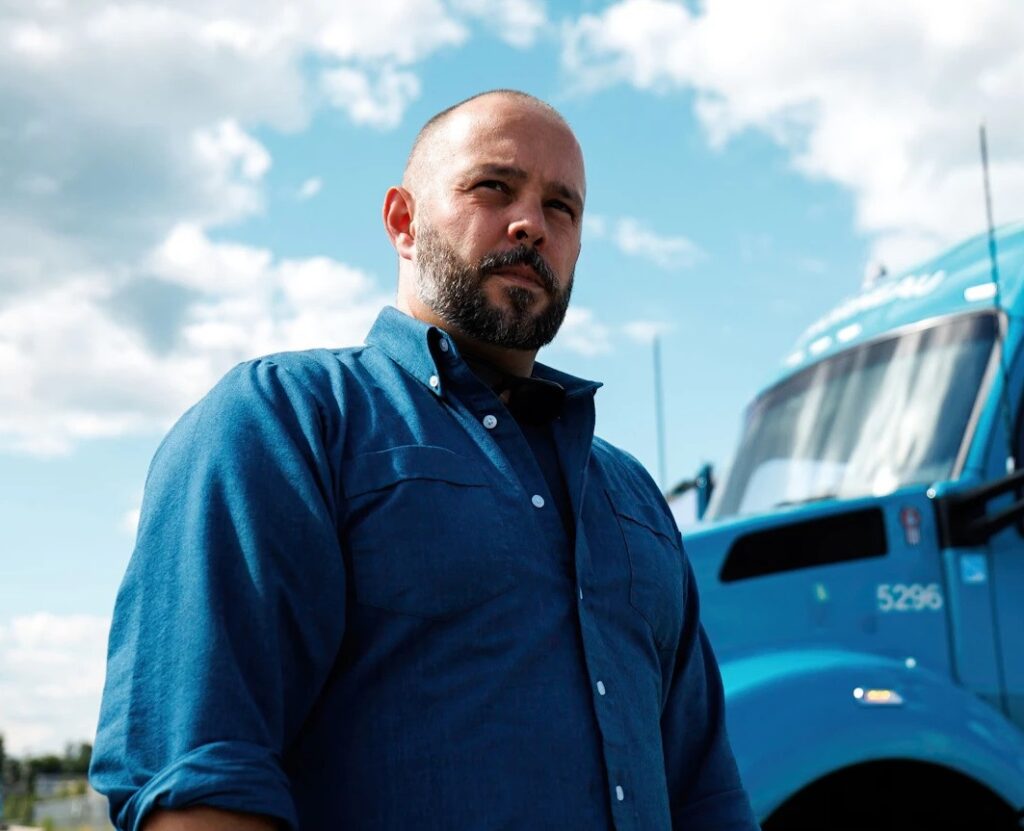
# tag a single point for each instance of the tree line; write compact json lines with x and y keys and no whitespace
{"x":18,"y":776}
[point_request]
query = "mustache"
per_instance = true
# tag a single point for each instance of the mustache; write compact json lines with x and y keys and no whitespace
{"x":522,"y":255}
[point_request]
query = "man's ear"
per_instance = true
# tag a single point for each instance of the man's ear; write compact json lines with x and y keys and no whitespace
{"x":399,"y":207}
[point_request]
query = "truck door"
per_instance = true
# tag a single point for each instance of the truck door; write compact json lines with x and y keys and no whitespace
{"x":973,"y":621}
{"x":1006,"y":576}
{"x":985,"y":570}
{"x":1006,"y":556}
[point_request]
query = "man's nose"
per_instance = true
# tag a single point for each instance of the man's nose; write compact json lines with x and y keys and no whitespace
{"x":527,"y":228}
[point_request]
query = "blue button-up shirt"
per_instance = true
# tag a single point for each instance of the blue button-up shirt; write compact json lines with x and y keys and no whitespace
{"x":353,"y":605}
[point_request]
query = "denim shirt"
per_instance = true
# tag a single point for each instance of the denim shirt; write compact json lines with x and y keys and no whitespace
{"x":353,"y":605}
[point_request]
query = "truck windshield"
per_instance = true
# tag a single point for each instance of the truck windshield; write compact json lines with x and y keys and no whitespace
{"x":866,"y":421}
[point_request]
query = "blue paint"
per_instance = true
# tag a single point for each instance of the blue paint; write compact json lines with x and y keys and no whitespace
{"x":937,"y":624}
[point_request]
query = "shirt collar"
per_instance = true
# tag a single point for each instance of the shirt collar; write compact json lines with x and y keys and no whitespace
{"x":573,"y":386}
{"x":414,"y":346}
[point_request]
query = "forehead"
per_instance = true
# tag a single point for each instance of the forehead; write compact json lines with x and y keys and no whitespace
{"x":510,"y":133}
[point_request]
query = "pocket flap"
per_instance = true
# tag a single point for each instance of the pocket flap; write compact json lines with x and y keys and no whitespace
{"x":628,"y":506}
{"x":383,"y":468}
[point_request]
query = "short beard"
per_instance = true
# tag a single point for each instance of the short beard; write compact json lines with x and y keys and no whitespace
{"x":453,"y":290}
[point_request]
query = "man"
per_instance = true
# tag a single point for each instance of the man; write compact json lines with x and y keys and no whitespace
{"x":402,"y":586}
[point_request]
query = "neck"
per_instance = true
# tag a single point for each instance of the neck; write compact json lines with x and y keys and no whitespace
{"x":511,"y":361}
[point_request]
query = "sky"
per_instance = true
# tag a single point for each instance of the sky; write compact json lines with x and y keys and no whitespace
{"x":187,"y":185}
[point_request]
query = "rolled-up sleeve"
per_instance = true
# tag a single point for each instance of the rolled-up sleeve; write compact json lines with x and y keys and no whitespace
{"x":232,"y":609}
{"x":705,"y":790}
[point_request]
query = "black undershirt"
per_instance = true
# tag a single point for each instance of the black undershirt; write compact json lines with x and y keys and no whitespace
{"x":534,"y":403}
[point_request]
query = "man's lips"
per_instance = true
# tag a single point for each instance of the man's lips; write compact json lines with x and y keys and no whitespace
{"x":521,"y":274}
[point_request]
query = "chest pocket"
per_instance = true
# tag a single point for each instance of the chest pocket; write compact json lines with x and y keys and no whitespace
{"x":422,"y":532}
{"x":655,"y":566}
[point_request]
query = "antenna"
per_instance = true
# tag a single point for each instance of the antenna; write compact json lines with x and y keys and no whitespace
{"x":1011,"y":462}
{"x":659,"y":415}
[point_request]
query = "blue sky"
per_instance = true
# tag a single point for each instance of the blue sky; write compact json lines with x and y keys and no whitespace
{"x":188,"y":185}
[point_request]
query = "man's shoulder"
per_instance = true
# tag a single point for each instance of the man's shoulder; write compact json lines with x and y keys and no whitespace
{"x":278,"y":383}
{"x":304,"y":392}
{"x":624,"y":473}
{"x":311,"y":363}
{"x":312,"y":372}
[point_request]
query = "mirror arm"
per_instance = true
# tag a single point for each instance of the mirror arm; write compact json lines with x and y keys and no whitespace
{"x":681,"y":488}
{"x":983,"y":493}
{"x":962,"y":516}
{"x":986,"y":526}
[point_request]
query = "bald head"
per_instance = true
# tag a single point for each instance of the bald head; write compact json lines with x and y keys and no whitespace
{"x":431,"y":146}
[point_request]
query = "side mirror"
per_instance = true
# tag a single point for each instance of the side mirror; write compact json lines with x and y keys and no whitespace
{"x":963,"y":517}
{"x":703,"y":483}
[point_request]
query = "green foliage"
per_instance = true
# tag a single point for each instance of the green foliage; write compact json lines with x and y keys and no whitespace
{"x":76,"y":787}
{"x":18,"y":807}
{"x":50,"y":763}
{"x":18,"y":776}
{"x":77,"y":758}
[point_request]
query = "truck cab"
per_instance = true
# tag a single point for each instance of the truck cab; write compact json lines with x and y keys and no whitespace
{"x":861,"y":565}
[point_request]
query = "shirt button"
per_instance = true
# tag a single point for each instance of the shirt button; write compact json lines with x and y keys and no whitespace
{"x":619,"y":793}
{"x":443,"y":345}
{"x":600,"y":688}
{"x":490,"y":422}
{"x":537,"y":500}
{"x":434,"y":381}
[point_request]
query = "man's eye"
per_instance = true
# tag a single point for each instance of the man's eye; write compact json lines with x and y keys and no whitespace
{"x":493,"y":184}
{"x":559,"y":205}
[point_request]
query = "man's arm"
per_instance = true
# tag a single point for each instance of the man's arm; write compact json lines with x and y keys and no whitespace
{"x":208,"y":819}
{"x":232,"y":610}
{"x":705,"y":791}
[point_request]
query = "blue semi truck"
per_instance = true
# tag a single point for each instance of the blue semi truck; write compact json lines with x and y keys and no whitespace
{"x":861,"y":566}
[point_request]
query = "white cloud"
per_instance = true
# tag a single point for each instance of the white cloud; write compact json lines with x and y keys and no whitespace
{"x":310,"y":188}
{"x":234,"y":163}
{"x":376,"y":102}
{"x":51,"y":678}
{"x":142,"y":115}
{"x":664,"y":251}
{"x":634,"y":239}
{"x":126,"y":355}
{"x":639,"y":41}
{"x":395,"y":31}
{"x":883,"y":98}
{"x":644,"y":331}
{"x":188,"y":258}
{"x":583,"y":333}
{"x":594,"y":225}
{"x":226,"y":146}
{"x":35,"y":43}
{"x":517,"y":22}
